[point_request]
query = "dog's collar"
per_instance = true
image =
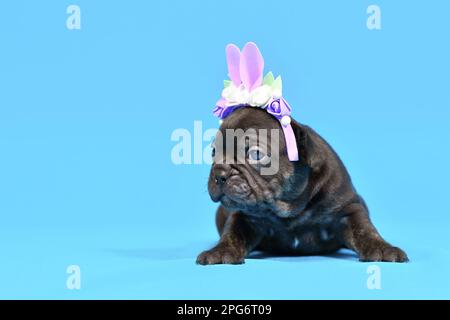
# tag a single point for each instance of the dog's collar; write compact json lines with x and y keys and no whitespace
{"x":248,"y":88}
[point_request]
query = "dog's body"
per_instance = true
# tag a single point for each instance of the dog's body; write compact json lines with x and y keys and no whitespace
{"x":308,"y":207}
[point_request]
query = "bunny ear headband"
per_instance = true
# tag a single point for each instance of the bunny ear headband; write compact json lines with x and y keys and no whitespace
{"x":248,"y":88}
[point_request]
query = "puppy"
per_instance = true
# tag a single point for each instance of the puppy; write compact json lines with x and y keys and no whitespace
{"x":306,"y":207}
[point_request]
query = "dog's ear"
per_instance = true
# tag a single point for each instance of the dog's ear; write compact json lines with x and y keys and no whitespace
{"x":308,"y":150}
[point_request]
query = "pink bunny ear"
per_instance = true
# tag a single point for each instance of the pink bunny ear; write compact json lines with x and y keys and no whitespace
{"x":233,"y":59}
{"x":251,"y":66}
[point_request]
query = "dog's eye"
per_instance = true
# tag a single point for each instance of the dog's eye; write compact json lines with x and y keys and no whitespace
{"x":256,"y":155}
{"x":213,"y":147}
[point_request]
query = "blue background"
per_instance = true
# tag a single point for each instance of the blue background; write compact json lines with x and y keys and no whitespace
{"x":86,"y":116}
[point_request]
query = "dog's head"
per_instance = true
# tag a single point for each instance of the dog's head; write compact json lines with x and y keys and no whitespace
{"x":251,"y":171}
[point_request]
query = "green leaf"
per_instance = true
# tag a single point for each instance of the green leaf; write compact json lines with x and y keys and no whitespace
{"x":268,"y":79}
{"x":226,"y":83}
{"x":277,"y":84}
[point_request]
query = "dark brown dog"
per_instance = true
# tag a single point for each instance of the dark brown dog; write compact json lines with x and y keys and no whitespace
{"x":308,"y":207}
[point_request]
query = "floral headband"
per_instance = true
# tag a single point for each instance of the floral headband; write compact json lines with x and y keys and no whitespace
{"x":248,"y":88}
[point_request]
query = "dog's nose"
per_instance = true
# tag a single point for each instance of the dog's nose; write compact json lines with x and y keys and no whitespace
{"x":221,"y":175}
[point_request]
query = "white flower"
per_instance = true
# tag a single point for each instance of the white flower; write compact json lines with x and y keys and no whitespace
{"x":236,"y":95}
{"x":261,"y":96}
{"x":229,"y":93}
{"x":242,"y":95}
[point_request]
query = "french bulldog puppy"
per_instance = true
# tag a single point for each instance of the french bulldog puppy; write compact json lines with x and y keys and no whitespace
{"x":307,"y":207}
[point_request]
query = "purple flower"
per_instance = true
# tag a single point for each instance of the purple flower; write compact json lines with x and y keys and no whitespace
{"x":279,"y":108}
{"x":220,"y":108}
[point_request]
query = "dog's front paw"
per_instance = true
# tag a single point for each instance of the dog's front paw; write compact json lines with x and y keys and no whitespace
{"x":383,"y":252}
{"x":220,"y":255}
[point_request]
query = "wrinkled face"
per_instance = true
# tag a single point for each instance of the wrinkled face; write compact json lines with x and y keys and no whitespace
{"x":251,"y":170}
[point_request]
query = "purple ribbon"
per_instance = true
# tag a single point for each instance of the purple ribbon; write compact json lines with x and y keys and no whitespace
{"x":277,"y":108}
